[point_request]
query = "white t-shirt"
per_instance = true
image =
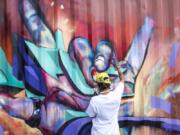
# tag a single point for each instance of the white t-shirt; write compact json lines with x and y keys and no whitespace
{"x":104,"y":110}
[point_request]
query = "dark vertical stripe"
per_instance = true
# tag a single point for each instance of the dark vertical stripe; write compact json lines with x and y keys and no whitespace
{"x":170,"y":17}
{"x":89,"y":20}
{"x":123,"y":35}
{"x":139,"y":15}
{"x":72,"y":12}
{"x":106,"y":18}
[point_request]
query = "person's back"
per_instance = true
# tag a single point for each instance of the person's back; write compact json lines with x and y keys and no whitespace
{"x":105,"y":106}
{"x":104,"y":110}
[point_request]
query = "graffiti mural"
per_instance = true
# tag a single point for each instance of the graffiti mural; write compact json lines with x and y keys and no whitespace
{"x":47,"y":75}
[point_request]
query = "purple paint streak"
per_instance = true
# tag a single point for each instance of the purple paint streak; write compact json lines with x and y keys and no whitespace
{"x":1,"y":131}
{"x":170,"y":91}
{"x":167,"y":124}
{"x":173,"y":55}
{"x":158,"y":103}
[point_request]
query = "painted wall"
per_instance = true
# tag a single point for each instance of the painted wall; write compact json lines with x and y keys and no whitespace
{"x":50,"y":51}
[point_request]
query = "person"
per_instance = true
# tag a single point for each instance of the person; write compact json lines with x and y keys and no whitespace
{"x":104,"y":107}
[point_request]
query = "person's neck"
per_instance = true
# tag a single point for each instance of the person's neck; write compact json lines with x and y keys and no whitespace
{"x":105,"y":92}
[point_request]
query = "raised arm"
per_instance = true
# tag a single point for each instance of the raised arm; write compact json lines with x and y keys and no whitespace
{"x":121,"y":75}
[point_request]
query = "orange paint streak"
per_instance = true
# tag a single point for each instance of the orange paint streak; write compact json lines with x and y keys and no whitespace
{"x":170,"y":80}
